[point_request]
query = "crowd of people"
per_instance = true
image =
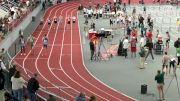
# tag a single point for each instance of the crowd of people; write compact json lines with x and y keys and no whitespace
{"x":15,"y":13}
{"x":146,"y":43}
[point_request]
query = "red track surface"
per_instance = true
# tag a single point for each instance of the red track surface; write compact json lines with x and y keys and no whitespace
{"x":62,"y":70}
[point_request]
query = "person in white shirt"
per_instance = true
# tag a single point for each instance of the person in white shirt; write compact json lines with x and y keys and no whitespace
{"x":125,"y":46}
{"x":2,"y":78}
{"x":17,"y":85}
{"x":142,"y":41}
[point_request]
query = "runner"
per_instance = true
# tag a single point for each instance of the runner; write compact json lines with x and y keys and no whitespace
{"x":55,"y":19}
{"x":22,"y":45}
{"x":45,"y":43}
{"x":31,"y":42}
{"x":74,"y":19}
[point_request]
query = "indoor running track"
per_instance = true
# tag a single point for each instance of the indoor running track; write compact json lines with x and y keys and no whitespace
{"x":61,"y":68}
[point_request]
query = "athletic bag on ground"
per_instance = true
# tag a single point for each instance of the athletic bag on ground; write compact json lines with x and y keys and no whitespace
{"x":144,"y":89}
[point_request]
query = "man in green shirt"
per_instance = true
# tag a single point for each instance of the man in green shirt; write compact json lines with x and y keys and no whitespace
{"x":159,"y":78}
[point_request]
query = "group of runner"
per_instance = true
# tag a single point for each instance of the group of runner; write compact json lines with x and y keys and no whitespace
{"x":31,"y":38}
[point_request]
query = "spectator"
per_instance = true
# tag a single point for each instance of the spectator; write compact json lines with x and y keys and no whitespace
{"x":167,"y":39}
{"x":17,"y":85}
{"x":133,"y":47}
{"x":178,"y":55}
{"x":92,"y":48}
{"x":80,"y":97}
{"x":142,"y":29}
{"x":51,"y":98}
{"x":32,"y":87}
{"x":142,"y":54}
{"x":159,"y":78}
{"x":149,"y":45}
{"x":173,"y":64}
{"x":141,"y":20}
{"x":92,"y":98}
{"x":43,"y":5}
{"x":142,"y":42}
{"x":2,"y":53}
{"x":125,"y":46}
{"x":2,"y":78}
{"x":12,"y":70}
{"x":128,"y":31}
{"x":177,"y":43}
{"x":165,"y":62}
{"x":9,"y":97}
{"x":149,"y":35}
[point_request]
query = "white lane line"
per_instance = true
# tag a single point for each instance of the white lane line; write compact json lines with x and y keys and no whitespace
{"x":55,"y":69}
{"x":41,"y":52}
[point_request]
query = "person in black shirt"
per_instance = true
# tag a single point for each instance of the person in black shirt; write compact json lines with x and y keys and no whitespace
{"x":128,"y":31}
{"x":92,"y":49}
{"x":159,"y":78}
{"x":177,"y":43}
{"x":32,"y":87}
{"x":149,"y":45}
{"x":141,"y":20}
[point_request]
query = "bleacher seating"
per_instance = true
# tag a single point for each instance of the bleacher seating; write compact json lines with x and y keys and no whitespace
{"x":12,"y":13}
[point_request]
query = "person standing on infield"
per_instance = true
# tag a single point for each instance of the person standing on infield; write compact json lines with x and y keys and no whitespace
{"x":159,"y":78}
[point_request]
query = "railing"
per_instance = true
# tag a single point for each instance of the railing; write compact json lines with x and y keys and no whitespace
{"x":12,"y":2}
{"x":4,"y":8}
{"x":17,"y":21}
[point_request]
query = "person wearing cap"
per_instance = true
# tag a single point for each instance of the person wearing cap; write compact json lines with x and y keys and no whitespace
{"x":32,"y":87}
